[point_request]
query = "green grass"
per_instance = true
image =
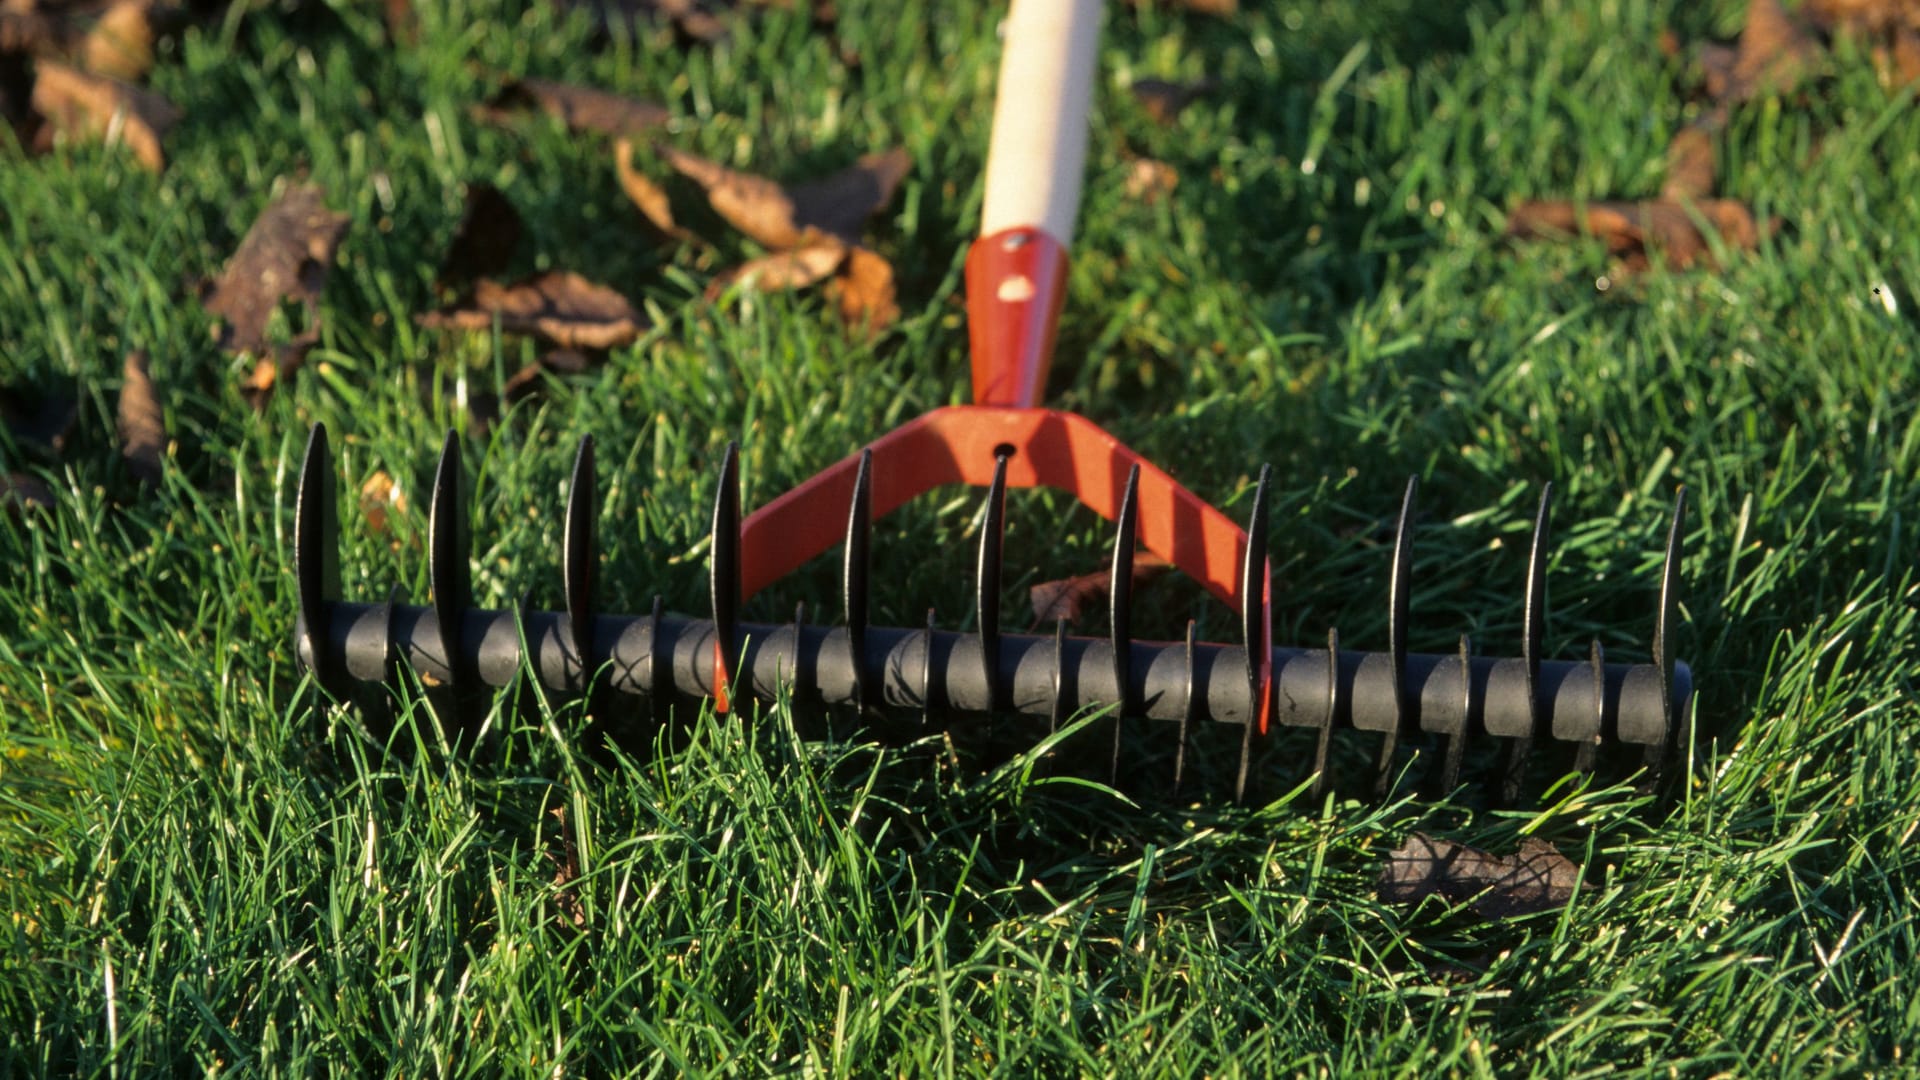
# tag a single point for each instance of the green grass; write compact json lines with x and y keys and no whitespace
{"x":202,"y":871}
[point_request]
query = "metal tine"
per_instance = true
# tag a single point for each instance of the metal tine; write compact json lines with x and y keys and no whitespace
{"x":1256,"y":629}
{"x":1533,"y":642}
{"x":987,"y":581}
{"x":1457,"y":741}
{"x":1120,"y":608}
{"x":1187,"y":703}
{"x":800,"y":678}
{"x":578,"y":558}
{"x":856,"y":576}
{"x":316,"y":549}
{"x":1399,"y":606}
{"x":1325,"y":736}
{"x":448,"y":572}
{"x":1583,"y":753}
{"x":723,"y":575}
{"x":1057,"y":709}
{"x":659,"y":674}
{"x":1663,"y":633}
{"x":927,"y":708}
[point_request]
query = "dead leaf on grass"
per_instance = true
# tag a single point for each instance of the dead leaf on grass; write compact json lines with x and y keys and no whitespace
{"x":580,"y":108}
{"x":120,"y":45}
{"x":285,"y":255}
{"x":864,"y":290}
{"x":485,"y":240}
{"x":1774,"y":52}
{"x":143,"y":433}
{"x":1635,"y":232}
{"x":379,"y":496}
{"x":19,"y":491}
{"x":76,"y":103}
{"x":1164,"y":100}
{"x":566,"y":873}
{"x":559,"y":306}
{"x":784,"y":270}
{"x":1150,"y":181}
{"x":1069,"y":598}
{"x":1690,"y":165}
{"x":649,"y":197}
{"x":1539,"y":878}
{"x":782,"y":217}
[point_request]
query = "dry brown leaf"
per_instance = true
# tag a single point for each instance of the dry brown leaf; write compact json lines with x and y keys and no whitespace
{"x":19,"y":491}
{"x":781,"y":217}
{"x":559,"y":306}
{"x":1150,"y":181}
{"x":1690,"y":165}
{"x":1902,"y":60}
{"x":1539,"y":878}
{"x":485,"y":240}
{"x":650,"y":197}
{"x":1163,"y":100}
{"x":566,"y":874}
{"x":143,"y":433}
{"x":864,"y":290}
{"x":74,"y":102}
{"x":1069,"y":598}
{"x":580,"y":108}
{"x":783,"y":270}
{"x":285,"y":255}
{"x":379,"y":496}
{"x":120,"y":45}
{"x":1776,"y":51}
{"x":1863,"y":16}
{"x":1636,"y":231}
{"x":699,"y":20}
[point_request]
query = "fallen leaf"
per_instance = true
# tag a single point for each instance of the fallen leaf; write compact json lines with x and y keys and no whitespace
{"x":864,"y":290}
{"x":120,"y":45}
{"x":1150,"y":181}
{"x":23,"y":492}
{"x":143,"y":433}
{"x":484,"y":241}
{"x":783,"y":270}
{"x":44,"y":421}
{"x":1775,"y":52}
{"x":559,"y":305}
{"x":1863,"y":16}
{"x":284,"y":256}
{"x":1163,"y":100}
{"x":1902,"y":61}
{"x":74,"y":102}
{"x":580,"y":108}
{"x":377,"y":496}
{"x":1636,"y":231}
{"x":1690,"y":165}
{"x":1069,"y":598}
{"x":566,"y":874}
{"x":781,"y":217}
{"x":1539,"y":878}
{"x":524,"y":383}
{"x":650,"y":197}
{"x":700,"y":20}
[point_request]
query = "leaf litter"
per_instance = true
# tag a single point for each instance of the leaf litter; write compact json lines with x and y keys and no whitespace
{"x":582,"y":109}
{"x":1538,"y":878}
{"x":557,"y":306}
{"x":143,"y":432}
{"x":76,"y":103}
{"x":285,"y":256}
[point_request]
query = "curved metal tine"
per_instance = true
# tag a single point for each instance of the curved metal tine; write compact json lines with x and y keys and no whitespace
{"x":1663,"y":633}
{"x":986,"y":595}
{"x":1120,"y":610}
{"x":1399,"y":606}
{"x":1457,"y":741}
{"x":316,"y":553}
{"x":927,"y":708}
{"x":723,"y":576}
{"x":799,"y":684}
{"x":1533,"y":643}
{"x":1324,"y":737}
{"x":448,"y":571}
{"x":578,"y":557}
{"x":1255,"y":627}
{"x":1583,"y":752}
{"x":856,"y":576}
{"x":1057,"y":710}
{"x":1188,"y":704}
{"x":659,"y":667}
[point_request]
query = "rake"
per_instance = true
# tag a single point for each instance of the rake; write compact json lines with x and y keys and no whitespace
{"x":1015,"y":281}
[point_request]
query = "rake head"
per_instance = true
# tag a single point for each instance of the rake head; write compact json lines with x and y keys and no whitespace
{"x":463,"y":653}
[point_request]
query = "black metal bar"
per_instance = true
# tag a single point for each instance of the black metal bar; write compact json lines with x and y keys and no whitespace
{"x":1456,"y":749}
{"x":1120,"y":607}
{"x":1583,"y":750}
{"x":1056,"y":708}
{"x":450,"y":575}
{"x":1187,"y":703}
{"x":1256,"y":626}
{"x":659,"y":675}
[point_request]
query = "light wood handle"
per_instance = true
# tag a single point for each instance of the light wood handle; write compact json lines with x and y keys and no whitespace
{"x":1039,"y":146}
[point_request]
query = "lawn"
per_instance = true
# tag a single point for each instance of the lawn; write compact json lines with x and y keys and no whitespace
{"x":206,"y":868}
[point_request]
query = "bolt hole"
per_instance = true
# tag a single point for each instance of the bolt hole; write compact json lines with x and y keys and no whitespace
{"x":1005,"y":450}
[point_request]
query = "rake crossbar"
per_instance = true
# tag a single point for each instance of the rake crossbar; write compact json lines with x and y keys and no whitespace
{"x":662,"y":657}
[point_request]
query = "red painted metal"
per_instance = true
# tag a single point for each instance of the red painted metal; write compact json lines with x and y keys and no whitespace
{"x":1016,"y":282}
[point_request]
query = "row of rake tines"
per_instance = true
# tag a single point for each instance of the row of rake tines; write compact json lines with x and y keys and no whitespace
{"x":450,"y":581}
